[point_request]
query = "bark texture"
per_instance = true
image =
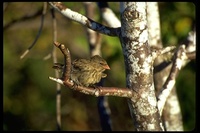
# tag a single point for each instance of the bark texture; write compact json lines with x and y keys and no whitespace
{"x":139,"y":67}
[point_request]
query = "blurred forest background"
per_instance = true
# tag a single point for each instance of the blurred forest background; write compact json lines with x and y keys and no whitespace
{"x":29,"y":97}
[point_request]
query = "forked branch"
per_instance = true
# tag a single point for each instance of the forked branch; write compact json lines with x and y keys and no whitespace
{"x":179,"y":57}
{"x":97,"y":91}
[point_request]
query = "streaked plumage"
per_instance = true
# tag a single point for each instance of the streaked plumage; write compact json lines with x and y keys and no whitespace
{"x":86,"y":72}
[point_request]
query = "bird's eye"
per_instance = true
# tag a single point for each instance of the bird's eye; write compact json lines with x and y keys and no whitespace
{"x":101,"y":63}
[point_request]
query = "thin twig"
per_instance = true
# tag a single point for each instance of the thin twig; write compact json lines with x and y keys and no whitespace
{"x":58,"y":86}
{"x":39,"y":32}
{"x":157,"y":52}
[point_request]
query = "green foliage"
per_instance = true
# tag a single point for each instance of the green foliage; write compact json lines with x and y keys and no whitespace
{"x":29,"y":97}
{"x":186,"y":84}
{"x":176,"y":21}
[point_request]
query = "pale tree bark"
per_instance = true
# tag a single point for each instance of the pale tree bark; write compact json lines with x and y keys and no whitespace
{"x":141,"y":46}
{"x":172,"y":120}
{"x":139,"y":67}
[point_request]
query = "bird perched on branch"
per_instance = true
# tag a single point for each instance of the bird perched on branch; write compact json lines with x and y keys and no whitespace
{"x":87,"y":72}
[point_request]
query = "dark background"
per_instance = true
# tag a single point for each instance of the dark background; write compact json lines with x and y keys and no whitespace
{"x":29,"y":97}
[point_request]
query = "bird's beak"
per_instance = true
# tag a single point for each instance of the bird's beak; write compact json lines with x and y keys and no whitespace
{"x":106,"y":67}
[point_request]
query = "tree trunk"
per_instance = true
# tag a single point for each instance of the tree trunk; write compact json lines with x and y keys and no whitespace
{"x":139,"y":67}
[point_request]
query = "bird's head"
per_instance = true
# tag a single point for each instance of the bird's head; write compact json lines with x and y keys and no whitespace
{"x":99,"y":60}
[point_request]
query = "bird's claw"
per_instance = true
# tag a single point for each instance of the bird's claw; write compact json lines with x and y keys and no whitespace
{"x":75,"y":85}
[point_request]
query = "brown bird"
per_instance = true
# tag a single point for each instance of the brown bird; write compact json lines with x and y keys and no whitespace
{"x":86,"y":72}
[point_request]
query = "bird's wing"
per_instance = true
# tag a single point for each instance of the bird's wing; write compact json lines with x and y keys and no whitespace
{"x":80,"y":64}
{"x":58,"y":66}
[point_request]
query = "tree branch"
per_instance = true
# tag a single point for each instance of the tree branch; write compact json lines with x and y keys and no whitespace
{"x":89,"y":23}
{"x":108,"y":15}
{"x":153,"y":21}
{"x":179,"y":58}
{"x":97,"y":91}
{"x":67,"y":60}
{"x":190,"y":51}
{"x":139,"y":67}
{"x":94,"y":38}
{"x":58,"y":86}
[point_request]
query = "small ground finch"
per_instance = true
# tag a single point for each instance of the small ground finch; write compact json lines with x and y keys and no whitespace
{"x":86,"y":72}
